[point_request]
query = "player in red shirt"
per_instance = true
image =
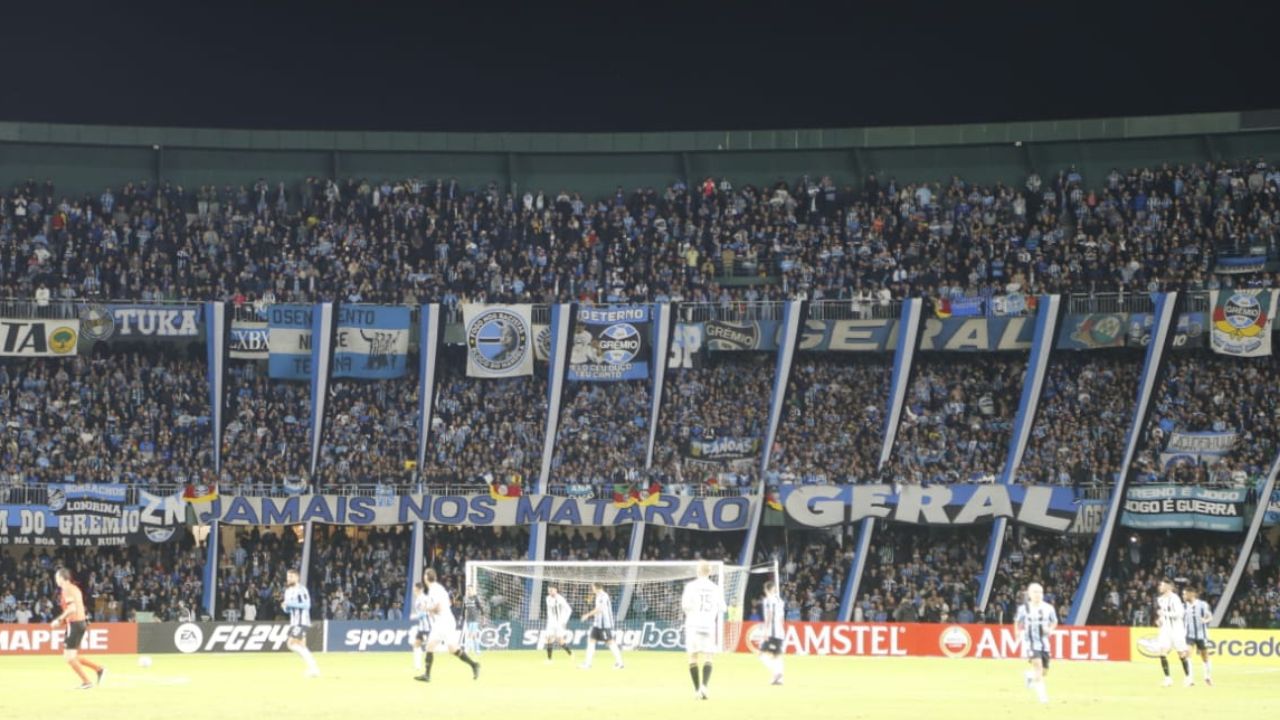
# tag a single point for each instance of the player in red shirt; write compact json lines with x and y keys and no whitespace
{"x":72,"y":602}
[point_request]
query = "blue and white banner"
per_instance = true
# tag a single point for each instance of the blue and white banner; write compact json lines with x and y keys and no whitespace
{"x":611,"y":343}
{"x":430,"y":332}
{"x":1241,"y":265}
{"x":499,"y":340}
{"x":820,"y":506}
{"x":248,"y":340}
{"x":481,"y":510}
{"x":974,"y":334}
{"x":323,"y":329}
{"x":662,"y":332}
{"x":1171,"y":507}
{"x":289,"y":340}
{"x":372,"y":343}
{"x":92,"y":516}
{"x":217,"y":353}
{"x":140,"y":322}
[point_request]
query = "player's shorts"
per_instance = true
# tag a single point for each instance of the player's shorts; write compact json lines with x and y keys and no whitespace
{"x":420,"y":636}
{"x":701,"y":641}
{"x":1043,"y":655}
{"x":1172,"y":641}
{"x":1199,"y":645}
{"x":442,"y":635}
{"x":773,"y":646}
{"x":75,"y":635}
{"x":602,"y":634}
{"x":557,"y":633}
{"x":297,"y":632}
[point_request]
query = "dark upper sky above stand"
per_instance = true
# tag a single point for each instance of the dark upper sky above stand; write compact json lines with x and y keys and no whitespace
{"x":698,"y":64}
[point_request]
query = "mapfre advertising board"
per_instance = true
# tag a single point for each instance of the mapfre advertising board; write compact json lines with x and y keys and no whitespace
{"x":40,"y":639}
{"x":1098,"y":643}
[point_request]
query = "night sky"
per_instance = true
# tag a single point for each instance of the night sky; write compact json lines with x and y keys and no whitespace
{"x":626,"y":66}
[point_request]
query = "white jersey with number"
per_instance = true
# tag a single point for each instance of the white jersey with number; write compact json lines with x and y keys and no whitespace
{"x":444,"y":628}
{"x":704,"y":607}
{"x":1171,"y":614}
{"x":775,"y":614}
{"x":603,"y":618}
{"x":558,"y":612}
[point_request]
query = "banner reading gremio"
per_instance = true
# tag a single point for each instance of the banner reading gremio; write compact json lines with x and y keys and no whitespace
{"x":611,"y":343}
{"x":1097,"y":643}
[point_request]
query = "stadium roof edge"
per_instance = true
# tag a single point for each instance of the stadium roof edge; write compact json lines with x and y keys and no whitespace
{"x":1045,"y":131}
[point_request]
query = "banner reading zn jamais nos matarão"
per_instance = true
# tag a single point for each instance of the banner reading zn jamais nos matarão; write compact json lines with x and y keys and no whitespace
{"x":720,"y":513}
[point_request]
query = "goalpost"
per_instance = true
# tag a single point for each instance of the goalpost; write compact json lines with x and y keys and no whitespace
{"x":645,"y":595}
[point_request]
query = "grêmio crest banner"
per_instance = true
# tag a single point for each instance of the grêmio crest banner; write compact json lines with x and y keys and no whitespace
{"x":611,"y":343}
{"x":695,"y":513}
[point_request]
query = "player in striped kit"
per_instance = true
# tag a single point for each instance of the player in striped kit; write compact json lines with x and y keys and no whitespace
{"x":1198,"y":617}
{"x":558,"y":614}
{"x":703,"y":606}
{"x":472,"y":617}
{"x":1035,"y":623}
{"x":775,"y":613}
{"x":421,"y":629}
{"x":601,"y":617}
{"x":297,"y":603}
{"x":1171,"y":619}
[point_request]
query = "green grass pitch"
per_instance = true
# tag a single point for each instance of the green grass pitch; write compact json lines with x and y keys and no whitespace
{"x":653,"y":685}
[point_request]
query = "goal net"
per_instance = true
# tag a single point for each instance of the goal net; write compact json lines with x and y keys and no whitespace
{"x":645,"y":597}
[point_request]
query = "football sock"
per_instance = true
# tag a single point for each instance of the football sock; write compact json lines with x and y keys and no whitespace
{"x":1208,"y":668}
{"x":549,"y":649}
{"x":591,"y":652}
{"x":1164,"y":665}
{"x":1186,"y":666}
{"x":617,"y":653}
{"x":693,"y":674}
{"x":568,"y":651}
{"x":706,"y":673}
{"x":426,"y":668}
{"x":418,"y":659}
{"x":462,"y":655}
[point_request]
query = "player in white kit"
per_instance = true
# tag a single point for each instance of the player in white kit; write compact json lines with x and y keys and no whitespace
{"x":704,"y":608}
{"x":1171,"y":620}
{"x":297,"y":603}
{"x":558,"y":614}
{"x":444,"y":628}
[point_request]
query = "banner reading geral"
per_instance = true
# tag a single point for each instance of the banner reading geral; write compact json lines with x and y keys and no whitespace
{"x":1241,"y":322}
{"x":611,"y":343}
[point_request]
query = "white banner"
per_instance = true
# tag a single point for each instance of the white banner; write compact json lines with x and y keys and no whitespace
{"x":1241,"y":322}
{"x":499,"y":340}
{"x":38,"y":338}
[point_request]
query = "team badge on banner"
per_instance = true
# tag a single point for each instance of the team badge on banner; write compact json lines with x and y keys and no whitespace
{"x":499,"y":340}
{"x":611,"y":344}
{"x":1241,"y":323}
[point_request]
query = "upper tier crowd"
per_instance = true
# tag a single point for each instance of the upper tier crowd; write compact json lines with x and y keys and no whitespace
{"x":413,"y":240}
